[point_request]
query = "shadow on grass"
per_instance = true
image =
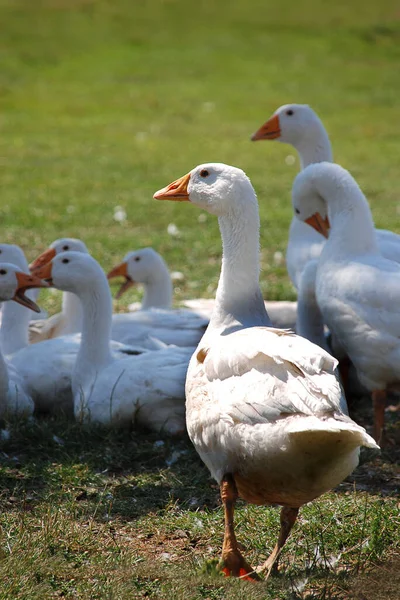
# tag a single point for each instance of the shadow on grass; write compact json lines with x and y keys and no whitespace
{"x":139,"y":472}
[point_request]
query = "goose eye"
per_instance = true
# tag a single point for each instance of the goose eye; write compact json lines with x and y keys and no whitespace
{"x":289,"y":112}
{"x":65,"y":247}
{"x":65,"y":261}
{"x":204,"y":173}
{"x":296,"y":210}
{"x":137,"y":258}
{"x":3,"y":272}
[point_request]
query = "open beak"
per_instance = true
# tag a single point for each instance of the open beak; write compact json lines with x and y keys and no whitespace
{"x":177,"y":190}
{"x":319,"y":224}
{"x":121,"y":270}
{"x":42,"y":259}
{"x":27,"y":282}
{"x":44,"y":272}
{"x":269,"y":131}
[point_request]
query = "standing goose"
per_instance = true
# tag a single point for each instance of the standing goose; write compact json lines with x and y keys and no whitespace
{"x":263,"y":407}
{"x":14,"y":397}
{"x":146,"y":266}
{"x":358,"y":289}
{"x":300,"y":126}
{"x":148,"y":389}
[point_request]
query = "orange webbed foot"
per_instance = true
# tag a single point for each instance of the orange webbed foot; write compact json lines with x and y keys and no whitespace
{"x":234,"y":565}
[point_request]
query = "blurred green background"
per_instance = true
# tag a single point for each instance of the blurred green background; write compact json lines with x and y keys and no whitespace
{"x":105,"y":101}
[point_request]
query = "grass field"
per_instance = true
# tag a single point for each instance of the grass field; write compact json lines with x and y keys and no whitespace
{"x":102,"y":103}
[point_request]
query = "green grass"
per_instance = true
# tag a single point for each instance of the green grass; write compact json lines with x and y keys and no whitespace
{"x":102,"y":103}
{"x":93,"y":514}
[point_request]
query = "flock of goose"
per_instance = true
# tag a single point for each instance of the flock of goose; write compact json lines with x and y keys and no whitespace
{"x":265,"y":408}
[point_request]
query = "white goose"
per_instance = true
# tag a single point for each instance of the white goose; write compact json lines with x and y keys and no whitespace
{"x":300,"y":126}
{"x":14,"y":397}
{"x":146,"y":266}
{"x":15,"y":318}
{"x":358,"y":289}
{"x":69,"y":320}
{"x":150,"y":329}
{"x":148,"y":389}
{"x":264,"y":409}
{"x":46,"y":367}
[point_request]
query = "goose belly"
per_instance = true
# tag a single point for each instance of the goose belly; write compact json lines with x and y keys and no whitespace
{"x":272,"y":465}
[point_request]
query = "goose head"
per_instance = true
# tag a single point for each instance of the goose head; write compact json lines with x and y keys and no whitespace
{"x":57,"y":247}
{"x":71,"y":272}
{"x":309,"y":204}
{"x":10,"y":253}
{"x":14,"y":283}
{"x":290,"y":124}
{"x":217,"y":188}
{"x":139,"y":266}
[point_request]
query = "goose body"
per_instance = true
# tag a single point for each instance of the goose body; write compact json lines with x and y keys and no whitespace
{"x":146,"y":389}
{"x":300,"y":126}
{"x":357,"y":288}
{"x":258,"y":398}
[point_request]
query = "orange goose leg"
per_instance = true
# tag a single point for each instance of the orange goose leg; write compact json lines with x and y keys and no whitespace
{"x":288,"y":519}
{"x":232,"y":561}
{"x":379,"y":402}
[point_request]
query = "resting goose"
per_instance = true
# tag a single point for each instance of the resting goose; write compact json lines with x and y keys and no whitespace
{"x":69,"y":320}
{"x":148,"y":389}
{"x":357,"y":288}
{"x":263,"y":407}
{"x":15,"y":318}
{"x":150,"y":329}
{"x":46,"y":367}
{"x":14,"y":397}
{"x":300,"y":126}
{"x":146,"y":266}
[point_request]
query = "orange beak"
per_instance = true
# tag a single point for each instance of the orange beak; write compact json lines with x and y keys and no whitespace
{"x":319,"y":224}
{"x":121,"y":270}
{"x":27,"y":282}
{"x":44,"y":272}
{"x":42,"y":259}
{"x":269,"y":131}
{"x":177,"y":190}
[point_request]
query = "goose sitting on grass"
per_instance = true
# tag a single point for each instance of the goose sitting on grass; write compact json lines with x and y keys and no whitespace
{"x":150,"y":329}
{"x":16,"y":318}
{"x":15,"y":399}
{"x":148,"y":390}
{"x":300,"y":126}
{"x":147,"y":267}
{"x":69,"y":320}
{"x":357,"y":289}
{"x":263,"y":407}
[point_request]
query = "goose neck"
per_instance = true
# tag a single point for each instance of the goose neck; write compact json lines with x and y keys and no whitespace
{"x":72,"y":311}
{"x":4,"y":383}
{"x":315,"y":148}
{"x":14,"y":331}
{"x":352,"y":228}
{"x":96,"y":303}
{"x":239,"y":302}
{"x":158,"y":291}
